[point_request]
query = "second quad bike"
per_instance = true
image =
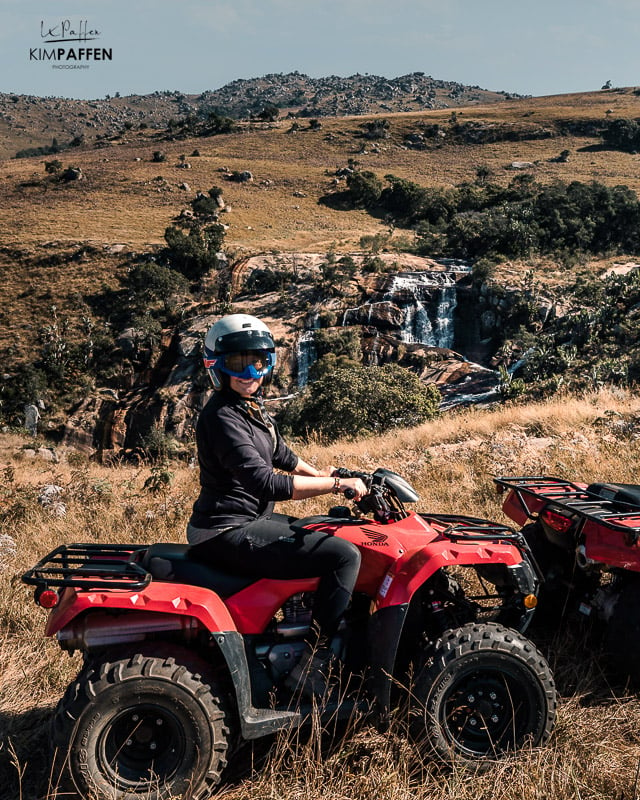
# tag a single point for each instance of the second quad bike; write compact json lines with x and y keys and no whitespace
{"x":585,"y":539}
{"x":183,"y":662}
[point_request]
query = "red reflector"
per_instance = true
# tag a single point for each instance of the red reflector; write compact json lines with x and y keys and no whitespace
{"x":556,"y":521}
{"x":48,"y":598}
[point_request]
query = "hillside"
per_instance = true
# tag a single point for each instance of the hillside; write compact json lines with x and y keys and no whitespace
{"x":593,"y":753}
{"x":28,"y":122}
{"x":68,"y":243}
{"x":128,"y":198}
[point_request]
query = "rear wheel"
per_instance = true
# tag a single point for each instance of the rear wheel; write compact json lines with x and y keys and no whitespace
{"x":142,"y":727}
{"x":485,"y":690}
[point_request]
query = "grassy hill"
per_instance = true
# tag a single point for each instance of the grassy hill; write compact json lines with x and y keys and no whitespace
{"x":121,"y":198}
{"x":28,"y":122}
{"x":64,"y":241}
{"x":594,"y":751}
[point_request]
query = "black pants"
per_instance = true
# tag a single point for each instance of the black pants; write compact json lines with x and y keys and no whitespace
{"x":270,"y":548}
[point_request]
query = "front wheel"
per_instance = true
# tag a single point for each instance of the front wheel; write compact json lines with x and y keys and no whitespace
{"x":485,"y":690}
{"x":142,"y":727}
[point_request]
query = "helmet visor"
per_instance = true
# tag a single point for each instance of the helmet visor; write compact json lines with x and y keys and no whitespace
{"x":248,"y":364}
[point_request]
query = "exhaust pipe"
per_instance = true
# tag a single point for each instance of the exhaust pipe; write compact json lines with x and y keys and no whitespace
{"x":103,"y":630}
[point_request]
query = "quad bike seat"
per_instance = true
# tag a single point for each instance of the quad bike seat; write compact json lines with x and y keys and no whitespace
{"x":627,"y":494}
{"x":172,"y":562}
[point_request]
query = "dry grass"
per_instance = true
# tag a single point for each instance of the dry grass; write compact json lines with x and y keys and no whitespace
{"x":595,"y":751}
{"x":120,"y":200}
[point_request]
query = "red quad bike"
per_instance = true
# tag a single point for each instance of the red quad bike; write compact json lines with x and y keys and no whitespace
{"x":586,"y":542}
{"x":183,"y":662}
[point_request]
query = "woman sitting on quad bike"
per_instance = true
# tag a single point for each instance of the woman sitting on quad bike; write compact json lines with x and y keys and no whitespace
{"x":233,"y":525}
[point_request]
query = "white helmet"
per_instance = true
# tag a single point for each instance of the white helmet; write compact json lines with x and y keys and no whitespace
{"x":238,"y":333}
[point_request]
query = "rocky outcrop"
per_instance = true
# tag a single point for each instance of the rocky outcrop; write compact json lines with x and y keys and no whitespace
{"x":427,"y":316}
{"x":70,"y":122}
{"x":165,"y":403}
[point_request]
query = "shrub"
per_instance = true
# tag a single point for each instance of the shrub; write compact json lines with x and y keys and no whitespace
{"x":341,"y":342}
{"x":475,"y":221}
{"x":194,"y":252}
{"x":622,"y":134}
{"x":361,"y":400}
{"x":365,"y":188}
{"x":151,"y":283}
{"x":269,"y":113}
{"x":376,"y":129}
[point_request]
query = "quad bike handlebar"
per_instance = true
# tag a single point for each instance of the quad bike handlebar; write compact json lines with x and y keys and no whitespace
{"x":386,"y":493}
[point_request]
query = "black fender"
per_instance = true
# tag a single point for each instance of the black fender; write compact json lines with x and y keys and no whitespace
{"x":254,"y":722}
{"x":385,"y":630}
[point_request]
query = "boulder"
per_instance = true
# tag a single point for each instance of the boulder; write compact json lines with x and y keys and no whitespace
{"x":521,"y":165}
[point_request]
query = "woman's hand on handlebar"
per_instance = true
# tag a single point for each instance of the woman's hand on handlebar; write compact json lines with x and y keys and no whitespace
{"x":353,"y":488}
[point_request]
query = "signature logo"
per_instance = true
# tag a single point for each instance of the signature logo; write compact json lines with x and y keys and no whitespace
{"x":66,"y":31}
{"x":67,"y":54}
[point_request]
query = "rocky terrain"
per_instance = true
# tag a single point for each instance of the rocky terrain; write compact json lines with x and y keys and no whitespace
{"x":32,"y":122}
{"x":114,"y":361}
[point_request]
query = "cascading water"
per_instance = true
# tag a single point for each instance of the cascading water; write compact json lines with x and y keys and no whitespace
{"x":306,"y":352}
{"x":418,"y":307}
{"x":306,"y":355}
{"x":445,"y":328}
{"x":428,"y":301}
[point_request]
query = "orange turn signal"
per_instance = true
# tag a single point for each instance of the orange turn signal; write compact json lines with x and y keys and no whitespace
{"x":530,"y":601}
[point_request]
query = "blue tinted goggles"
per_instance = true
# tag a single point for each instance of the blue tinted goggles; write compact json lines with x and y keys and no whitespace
{"x":250,"y":364}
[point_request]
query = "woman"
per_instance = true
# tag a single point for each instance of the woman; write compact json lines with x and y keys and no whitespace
{"x":233,"y":525}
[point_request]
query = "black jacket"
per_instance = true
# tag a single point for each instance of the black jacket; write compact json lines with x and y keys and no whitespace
{"x":237,"y":455}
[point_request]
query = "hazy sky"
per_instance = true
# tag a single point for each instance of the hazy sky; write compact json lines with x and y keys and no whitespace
{"x":535,"y":47}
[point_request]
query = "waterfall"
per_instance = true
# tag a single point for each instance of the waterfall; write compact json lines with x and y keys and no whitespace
{"x":306,"y":353}
{"x":445,"y":329}
{"x":429,"y":302}
{"x":417,"y":326}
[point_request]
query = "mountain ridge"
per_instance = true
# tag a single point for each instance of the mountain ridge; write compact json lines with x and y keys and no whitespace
{"x":29,"y":121}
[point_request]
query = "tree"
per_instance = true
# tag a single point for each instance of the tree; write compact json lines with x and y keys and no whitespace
{"x":354,"y":401}
{"x":194,"y":242}
{"x":269,"y":113}
{"x":152,"y":283}
{"x":403,"y":198}
{"x":376,"y":129}
{"x":365,"y":188}
{"x":194,"y":252}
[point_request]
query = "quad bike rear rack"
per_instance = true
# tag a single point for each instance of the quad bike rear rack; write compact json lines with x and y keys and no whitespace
{"x":578,"y":500}
{"x":90,"y":566}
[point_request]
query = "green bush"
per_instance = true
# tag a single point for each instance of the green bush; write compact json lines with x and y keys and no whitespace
{"x":476,"y":221}
{"x":152,"y":283}
{"x":361,"y":400}
{"x":341,"y":342}
{"x":194,"y":252}
{"x":365,"y":188}
{"x":622,"y":134}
